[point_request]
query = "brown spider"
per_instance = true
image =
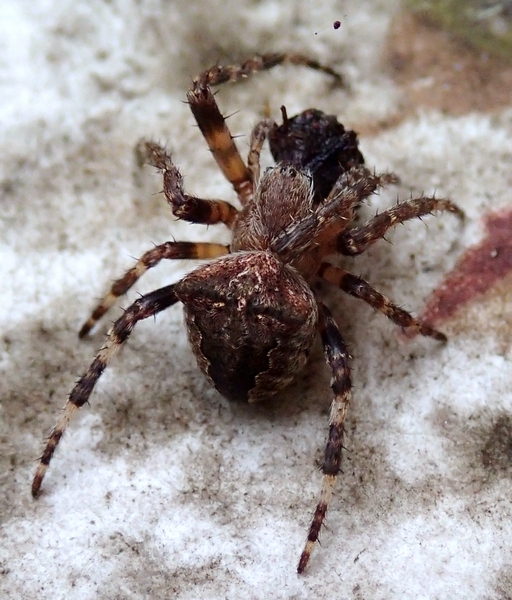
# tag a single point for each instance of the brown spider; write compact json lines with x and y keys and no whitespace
{"x":251,"y":313}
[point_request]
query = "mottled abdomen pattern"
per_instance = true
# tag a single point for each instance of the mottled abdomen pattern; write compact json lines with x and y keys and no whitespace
{"x":251,"y":321}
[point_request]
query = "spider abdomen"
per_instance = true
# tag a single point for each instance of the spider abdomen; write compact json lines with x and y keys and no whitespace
{"x":251,"y":321}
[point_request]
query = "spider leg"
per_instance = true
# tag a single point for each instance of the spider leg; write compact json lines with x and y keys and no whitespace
{"x":212,"y":123}
{"x":355,"y":241}
{"x":146,"y":306}
{"x":219,"y":74}
{"x":337,"y":358}
{"x":359,"y":288}
{"x":219,"y":139}
{"x":188,"y":208}
{"x":258,"y":136}
{"x":332,"y":215}
{"x":167,"y":250}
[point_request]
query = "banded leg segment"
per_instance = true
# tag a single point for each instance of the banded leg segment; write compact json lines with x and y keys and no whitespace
{"x":212,"y":123}
{"x":220,"y":141}
{"x":219,"y":74}
{"x":355,"y":241}
{"x":332,"y":215}
{"x":259,"y":134}
{"x":188,"y":208}
{"x":359,"y":288}
{"x":146,"y":306}
{"x":167,"y":250}
{"x":337,"y":358}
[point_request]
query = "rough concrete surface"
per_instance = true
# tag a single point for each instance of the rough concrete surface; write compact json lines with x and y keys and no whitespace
{"x":161,"y":488}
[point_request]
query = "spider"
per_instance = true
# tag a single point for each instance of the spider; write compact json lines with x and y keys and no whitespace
{"x":251,"y":313}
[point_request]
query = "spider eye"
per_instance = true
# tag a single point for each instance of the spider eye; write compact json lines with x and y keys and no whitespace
{"x":287,"y":170}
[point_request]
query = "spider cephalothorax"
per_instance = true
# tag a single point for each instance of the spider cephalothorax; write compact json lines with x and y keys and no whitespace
{"x":251,"y":312}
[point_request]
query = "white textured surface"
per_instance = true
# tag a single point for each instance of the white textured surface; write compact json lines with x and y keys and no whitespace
{"x":162,"y":489}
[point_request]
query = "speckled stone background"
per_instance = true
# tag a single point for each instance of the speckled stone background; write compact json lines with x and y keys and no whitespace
{"x":162,"y":489}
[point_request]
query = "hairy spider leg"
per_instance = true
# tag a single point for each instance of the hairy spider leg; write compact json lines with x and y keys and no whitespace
{"x":352,"y":242}
{"x":219,"y":74}
{"x":196,"y":210}
{"x":146,"y":306}
{"x":186,"y":207}
{"x":332,"y":215}
{"x":259,"y":134}
{"x":212,"y":123}
{"x":337,"y":357}
{"x":359,"y":288}
{"x":167,"y":250}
